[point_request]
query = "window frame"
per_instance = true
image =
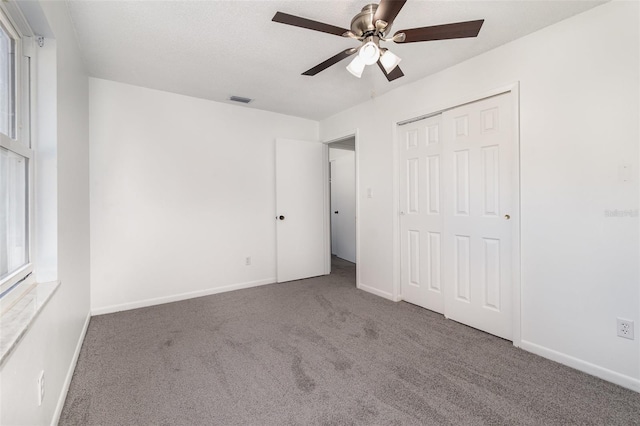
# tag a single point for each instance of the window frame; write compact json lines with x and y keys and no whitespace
{"x":20,"y":281}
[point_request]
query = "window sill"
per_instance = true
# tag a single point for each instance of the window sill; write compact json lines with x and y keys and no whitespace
{"x":16,"y":321}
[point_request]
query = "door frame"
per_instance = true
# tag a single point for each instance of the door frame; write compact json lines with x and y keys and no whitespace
{"x":350,"y":134}
{"x":516,"y":276}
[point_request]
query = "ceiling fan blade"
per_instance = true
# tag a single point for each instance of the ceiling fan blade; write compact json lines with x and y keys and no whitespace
{"x":442,"y":32}
{"x":331,"y":61}
{"x":388,"y":10}
{"x":297,"y":21}
{"x":395,"y":73}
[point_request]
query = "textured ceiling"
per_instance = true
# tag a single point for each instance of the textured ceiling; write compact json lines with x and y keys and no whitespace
{"x":214,"y":49}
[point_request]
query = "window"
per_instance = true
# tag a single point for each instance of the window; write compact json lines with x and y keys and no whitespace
{"x":13,"y":218}
{"x":15,"y":167}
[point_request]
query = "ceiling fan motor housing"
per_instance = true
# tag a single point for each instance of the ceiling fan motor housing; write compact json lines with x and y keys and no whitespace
{"x":362,"y":24}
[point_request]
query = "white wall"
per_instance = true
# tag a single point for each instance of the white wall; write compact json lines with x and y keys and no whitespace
{"x":578,"y":124}
{"x":182,"y":191}
{"x":52,"y":342}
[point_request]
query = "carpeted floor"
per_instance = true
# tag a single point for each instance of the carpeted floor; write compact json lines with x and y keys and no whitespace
{"x":319,"y":351}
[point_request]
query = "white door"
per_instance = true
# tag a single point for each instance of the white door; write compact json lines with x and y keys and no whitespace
{"x":420,"y":152}
{"x":343,"y":206}
{"x":300,"y":209}
{"x":478,"y":208}
{"x":456,"y":207}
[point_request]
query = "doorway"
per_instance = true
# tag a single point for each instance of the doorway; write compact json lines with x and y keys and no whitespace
{"x":342,"y":199}
{"x":458,"y":213}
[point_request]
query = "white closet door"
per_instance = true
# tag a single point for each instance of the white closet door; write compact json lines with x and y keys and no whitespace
{"x":420,"y":158}
{"x":477,"y":179}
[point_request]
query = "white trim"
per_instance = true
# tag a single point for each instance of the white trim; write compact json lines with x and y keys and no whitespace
{"x":514,"y":89}
{"x":372,"y":290}
{"x":326,"y":201}
{"x":70,"y":371}
{"x":18,"y":19}
{"x":356,"y":135}
{"x":178,"y":297}
{"x":584,"y":366}
{"x":516,"y":227}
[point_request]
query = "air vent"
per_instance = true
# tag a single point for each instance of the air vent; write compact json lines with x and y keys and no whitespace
{"x":240,"y":99}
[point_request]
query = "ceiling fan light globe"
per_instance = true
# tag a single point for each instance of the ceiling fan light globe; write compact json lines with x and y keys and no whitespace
{"x":369,"y":53}
{"x":389,"y":60}
{"x":356,"y":67}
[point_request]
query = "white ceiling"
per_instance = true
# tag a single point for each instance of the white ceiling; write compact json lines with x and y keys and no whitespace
{"x":217,"y":48}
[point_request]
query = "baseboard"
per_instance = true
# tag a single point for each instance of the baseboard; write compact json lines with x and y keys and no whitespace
{"x":178,"y":297}
{"x":375,"y":291}
{"x":584,"y":366}
{"x":72,"y":368}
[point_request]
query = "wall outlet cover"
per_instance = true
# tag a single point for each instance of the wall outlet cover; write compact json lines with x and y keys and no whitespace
{"x":625,"y":328}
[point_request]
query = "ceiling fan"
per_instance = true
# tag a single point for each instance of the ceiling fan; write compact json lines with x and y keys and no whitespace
{"x":371,"y":26}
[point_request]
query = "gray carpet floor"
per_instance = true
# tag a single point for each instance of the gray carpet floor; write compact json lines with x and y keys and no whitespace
{"x":319,"y":351}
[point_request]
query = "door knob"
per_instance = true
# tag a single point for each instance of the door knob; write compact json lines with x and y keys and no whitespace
{"x":506,"y":216}
{"x":281,"y":217}
{"x":336,"y":212}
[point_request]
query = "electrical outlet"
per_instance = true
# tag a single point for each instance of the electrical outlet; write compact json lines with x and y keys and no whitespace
{"x":625,"y":328}
{"x":41,"y":388}
{"x":247,"y":260}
